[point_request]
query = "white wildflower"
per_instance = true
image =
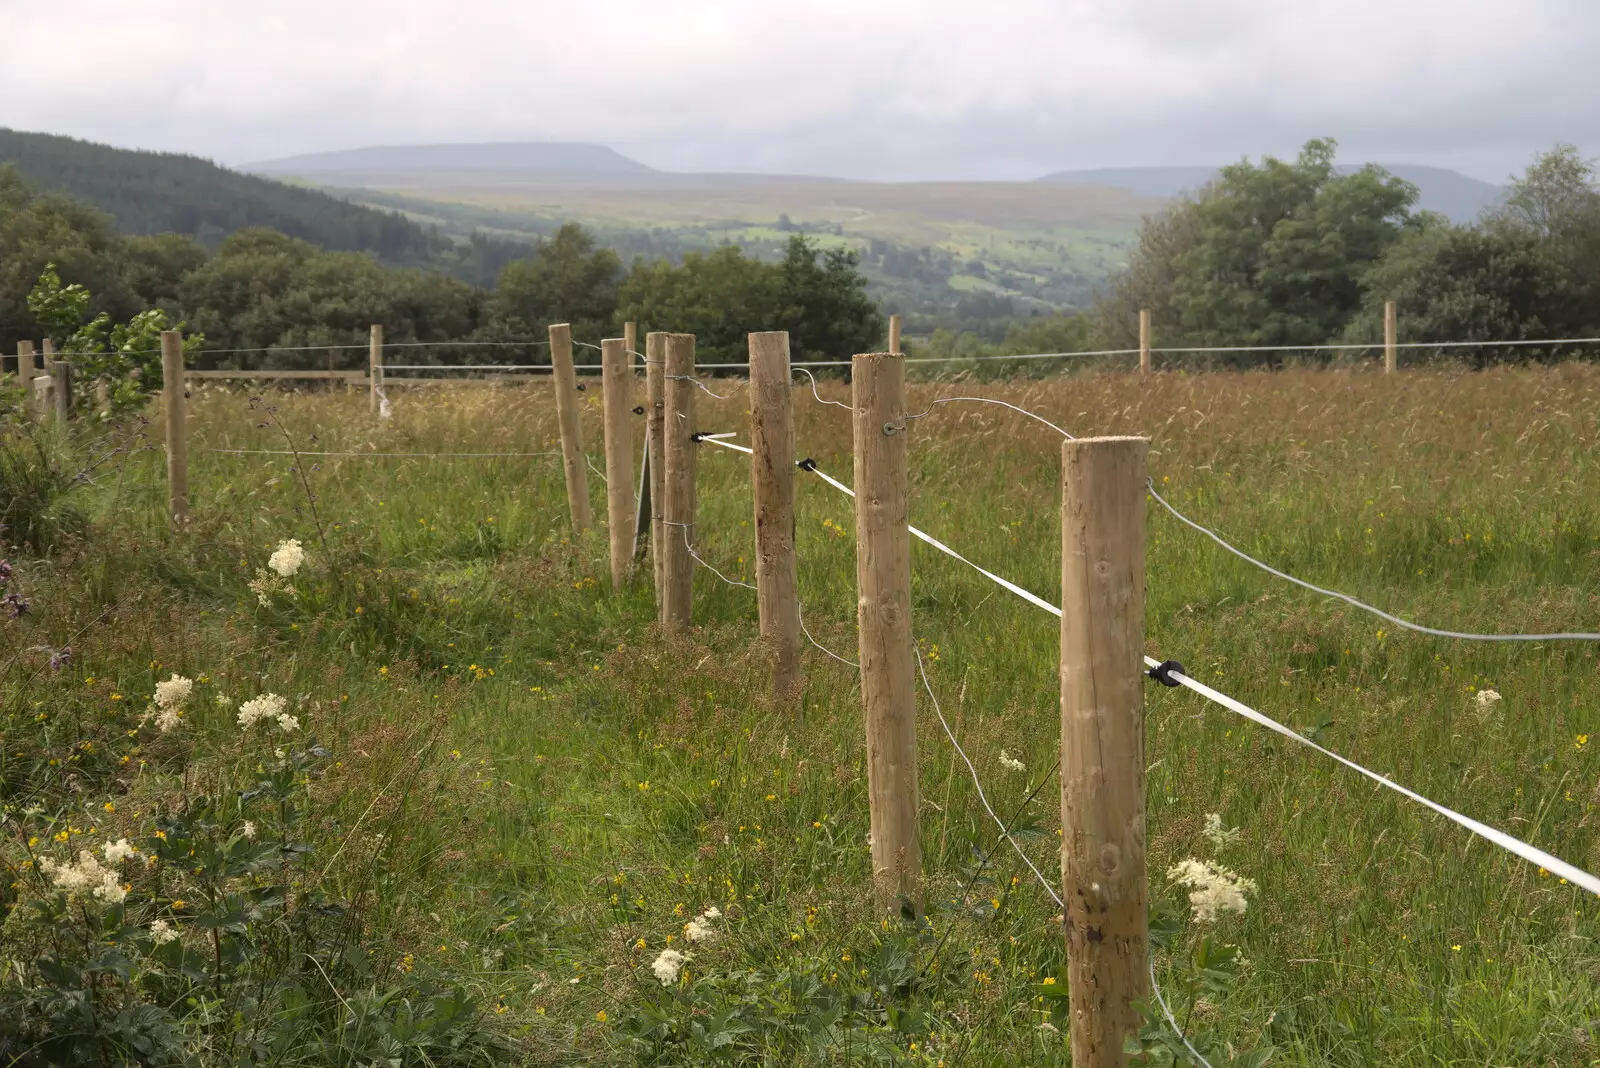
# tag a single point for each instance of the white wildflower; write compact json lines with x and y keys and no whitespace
{"x":1213,"y":890}
{"x":174,"y":692}
{"x":118,"y":851}
{"x":1011,"y":763}
{"x":1219,"y":836}
{"x":169,"y":719}
{"x":267,"y":706}
{"x":1488,"y":698}
{"x":668,"y":966}
{"x":288,"y":558}
{"x":287,"y":722}
{"x":702,"y":927}
{"x":224,"y":701}
{"x":250,"y":830}
{"x":85,"y":875}
{"x":163,"y":932}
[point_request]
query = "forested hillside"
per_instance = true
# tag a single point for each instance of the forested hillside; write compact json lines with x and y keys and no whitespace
{"x":157,"y":193}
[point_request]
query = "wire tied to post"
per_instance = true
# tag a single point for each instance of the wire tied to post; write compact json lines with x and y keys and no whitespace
{"x":1164,"y":671}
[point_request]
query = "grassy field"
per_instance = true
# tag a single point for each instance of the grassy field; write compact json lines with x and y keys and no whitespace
{"x":528,"y":792}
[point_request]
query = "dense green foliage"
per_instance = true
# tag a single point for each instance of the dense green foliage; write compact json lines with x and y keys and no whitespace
{"x":1298,"y":254}
{"x":817,"y":295}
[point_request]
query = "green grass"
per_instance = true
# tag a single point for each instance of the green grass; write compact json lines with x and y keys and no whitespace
{"x":620,"y":782}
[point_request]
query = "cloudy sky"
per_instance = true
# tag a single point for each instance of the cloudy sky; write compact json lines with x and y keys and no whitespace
{"x":861,"y":88}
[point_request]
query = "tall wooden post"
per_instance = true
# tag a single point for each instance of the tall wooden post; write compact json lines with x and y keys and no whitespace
{"x":1391,"y":337}
{"x":174,"y":404}
{"x":678,"y":454}
{"x":883,"y":580}
{"x":655,"y":414}
{"x":375,"y":366}
{"x":616,"y":392}
{"x":24,"y":363}
{"x":894,"y":333}
{"x":61,"y":386}
{"x":772,"y":478}
{"x":630,"y":339}
{"x":1144,"y":341}
{"x":1103,"y":875}
{"x":566,"y":387}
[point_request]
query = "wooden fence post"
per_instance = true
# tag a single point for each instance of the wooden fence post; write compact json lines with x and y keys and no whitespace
{"x":172,"y":400}
{"x":616,"y":393}
{"x":883,"y":579}
{"x":1391,"y":337}
{"x":678,"y":511}
{"x":25,"y":366}
{"x":1103,"y":876}
{"x":374,"y":367}
{"x":894,"y":333}
{"x":61,"y":385}
{"x":772,"y":479}
{"x":1144,"y":341}
{"x":655,"y":359}
{"x":566,"y":387}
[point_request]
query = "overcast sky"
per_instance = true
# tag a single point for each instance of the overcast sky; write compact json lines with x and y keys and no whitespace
{"x":860,"y":88}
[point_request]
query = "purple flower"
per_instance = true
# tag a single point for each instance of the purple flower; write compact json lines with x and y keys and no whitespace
{"x":5,"y":571}
{"x":62,"y":657}
{"x":18,"y":606}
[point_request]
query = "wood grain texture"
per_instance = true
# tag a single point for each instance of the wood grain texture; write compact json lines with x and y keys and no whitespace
{"x":567,"y":414}
{"x":655,"y":355}
{"x":616,"y":394}
{"x":1103,"y":876}
{"x":772,"y":478}
{"x":883,"y":580}
{"x":679,"y":453}
{"x":174,"y":408}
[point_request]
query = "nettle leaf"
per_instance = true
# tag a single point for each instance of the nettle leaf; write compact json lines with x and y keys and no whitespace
{"x":57,"y":974}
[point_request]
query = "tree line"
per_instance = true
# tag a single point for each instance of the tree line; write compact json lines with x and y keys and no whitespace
{"x":265,"y":292}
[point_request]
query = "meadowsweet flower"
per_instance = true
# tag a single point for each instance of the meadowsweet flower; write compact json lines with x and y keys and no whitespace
{"x":1488,"y":698}
{"x":224,"y":701}
{"x":86,"y":875}
{"x":1011,"y":763}
{"x":1219,"y":836}
{"x":163,"y":932}
{"x":287,"y":559}
{"x":174,"y":692}
{"x":702,"y":928}
{"x":1213,"y":890}
{"x":250,"y":830}
{"x":118,"y":851}
{"x":287,"y":722}
{"x":169,"y":719}
{"x":668,"y":966}
{"x":267,"y":706}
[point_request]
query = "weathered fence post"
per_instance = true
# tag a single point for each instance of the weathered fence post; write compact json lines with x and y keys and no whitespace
{"x":894,"y":333}
{"x":566,"y":386}
{"x":655,"y":359}
{"x":678,"y":460}
{"x":25,"y":367}
{"x":772,"y":478}
{"x":173,"y":402}
{"x":374,"y":367}
{"x":616,"y":394}
{"x":883,"y":580}
{"x":1144,"y":341}
{"x":1391,"y":337}
{"x":1103,"y":875}
{"x":41,"y":395}
{"x":61,"y":385}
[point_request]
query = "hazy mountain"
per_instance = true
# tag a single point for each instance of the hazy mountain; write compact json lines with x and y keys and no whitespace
{"x":529,"y":157}
{"x":1445,"y":191}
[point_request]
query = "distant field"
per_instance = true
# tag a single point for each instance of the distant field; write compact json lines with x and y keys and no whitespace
{"x":923,"y":244}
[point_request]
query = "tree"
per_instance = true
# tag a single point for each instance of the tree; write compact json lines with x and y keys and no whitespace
{"x":566,"y":280}
{"x":1268,"y":254}
{"x":723,"y":295}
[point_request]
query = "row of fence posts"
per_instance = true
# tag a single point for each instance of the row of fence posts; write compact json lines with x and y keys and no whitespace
{"x":1391,"y":339}
{"x":1104,"y":877}
{"x":1103,"y":868}
{"x":47,"y":381}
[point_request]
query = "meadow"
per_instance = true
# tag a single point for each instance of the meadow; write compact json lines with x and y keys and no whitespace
{"x":521,"y":792}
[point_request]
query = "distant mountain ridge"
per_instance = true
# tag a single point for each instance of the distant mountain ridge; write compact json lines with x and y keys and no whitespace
{"x":1448,"y":192}
{"x":566,"y":158}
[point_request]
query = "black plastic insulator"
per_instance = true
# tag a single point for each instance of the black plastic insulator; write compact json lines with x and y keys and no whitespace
{"x":1164,"y":671}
